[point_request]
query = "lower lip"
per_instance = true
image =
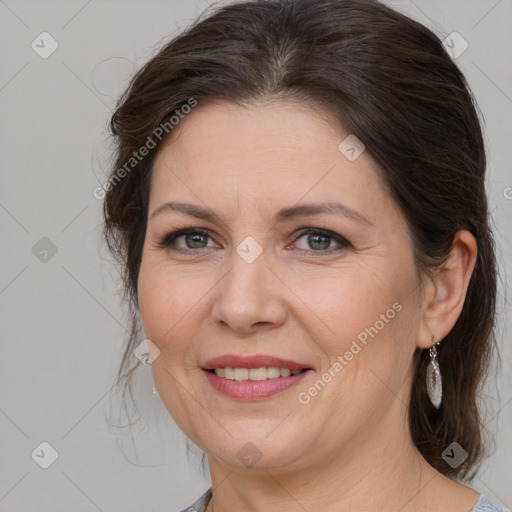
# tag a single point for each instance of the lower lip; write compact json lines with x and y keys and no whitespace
{"x":251,"y":390}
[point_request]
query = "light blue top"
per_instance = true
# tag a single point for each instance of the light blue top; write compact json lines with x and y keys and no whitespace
{"x":484,"y":504}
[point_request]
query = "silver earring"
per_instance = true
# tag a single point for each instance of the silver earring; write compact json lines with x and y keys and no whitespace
{"x":434,"y":382}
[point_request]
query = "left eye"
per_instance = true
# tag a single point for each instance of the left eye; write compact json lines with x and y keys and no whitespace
{"x":320,"y":241}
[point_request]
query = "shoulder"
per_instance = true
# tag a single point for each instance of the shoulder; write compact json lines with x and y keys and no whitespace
{"x":201,"y":504}
{"x":485,"y":504}
{"x":449,"y":494}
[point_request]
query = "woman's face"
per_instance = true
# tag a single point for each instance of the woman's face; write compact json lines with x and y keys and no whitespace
{"x":273,"y":278}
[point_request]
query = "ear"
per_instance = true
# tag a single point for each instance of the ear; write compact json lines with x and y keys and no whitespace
{"x":446,"y":291}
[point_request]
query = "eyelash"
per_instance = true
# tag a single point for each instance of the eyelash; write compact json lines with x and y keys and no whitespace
{"x":167,"y":240}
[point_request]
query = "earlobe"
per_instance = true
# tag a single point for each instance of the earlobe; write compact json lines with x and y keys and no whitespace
{"x":446,"y":290}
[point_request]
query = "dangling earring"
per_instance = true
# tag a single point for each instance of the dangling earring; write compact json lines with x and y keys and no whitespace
{"x":434,"y":382}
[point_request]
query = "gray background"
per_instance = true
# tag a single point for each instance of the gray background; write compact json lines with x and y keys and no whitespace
{"x":62,"y":326}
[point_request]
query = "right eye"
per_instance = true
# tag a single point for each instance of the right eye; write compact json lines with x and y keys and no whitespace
{"x":189,"y":239}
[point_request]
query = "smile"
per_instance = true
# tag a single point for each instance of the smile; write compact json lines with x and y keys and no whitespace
{"x":253,"y":377}
{"x":254,"y":374}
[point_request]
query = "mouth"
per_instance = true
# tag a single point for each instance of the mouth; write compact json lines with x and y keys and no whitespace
{"x":253,"y":378}
{"x":254,"y":374}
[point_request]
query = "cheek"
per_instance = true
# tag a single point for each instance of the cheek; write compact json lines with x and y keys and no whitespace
{"x":155,"y":304}
{"x":366,"y":320}
{"x":166,"y":305}
{"x":173,"y":305}
{"x":349,"y":301}
{"x":368,"y":357}
{"x":162,"y":303}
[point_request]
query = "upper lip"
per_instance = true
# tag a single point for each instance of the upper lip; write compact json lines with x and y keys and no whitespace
{"x":256,"y":361}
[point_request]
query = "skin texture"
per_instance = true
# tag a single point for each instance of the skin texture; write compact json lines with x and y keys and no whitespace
{"x":350,"y":445}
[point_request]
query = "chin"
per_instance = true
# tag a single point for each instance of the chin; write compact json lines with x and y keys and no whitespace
{"x":260,"y":453}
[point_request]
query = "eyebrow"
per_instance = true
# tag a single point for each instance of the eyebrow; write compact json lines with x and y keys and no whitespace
{"x":282,"y":215}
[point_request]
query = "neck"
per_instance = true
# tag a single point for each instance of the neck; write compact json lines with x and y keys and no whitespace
{"x":381,"y":472}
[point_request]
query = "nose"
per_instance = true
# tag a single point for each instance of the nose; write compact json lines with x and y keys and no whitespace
{"x":250,"y":298}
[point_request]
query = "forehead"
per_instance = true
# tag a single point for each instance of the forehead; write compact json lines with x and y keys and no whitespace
{"x":262,"y":153}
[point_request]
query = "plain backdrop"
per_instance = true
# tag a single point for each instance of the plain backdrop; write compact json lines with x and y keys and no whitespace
{"x":62,"y":324}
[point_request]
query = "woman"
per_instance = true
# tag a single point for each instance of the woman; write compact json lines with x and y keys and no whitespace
{"x":298,"y":202}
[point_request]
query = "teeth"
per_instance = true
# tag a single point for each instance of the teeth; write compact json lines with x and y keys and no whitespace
{"x":241,"y":373}
{"x":255,"y":374}
{"x":273,"y":372}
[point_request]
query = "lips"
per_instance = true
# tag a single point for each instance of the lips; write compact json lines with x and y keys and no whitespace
{"x":257,"y":361}
{"x":251,"y":389}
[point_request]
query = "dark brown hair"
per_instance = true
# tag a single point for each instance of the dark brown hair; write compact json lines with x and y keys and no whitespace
{"x":389,"y":81}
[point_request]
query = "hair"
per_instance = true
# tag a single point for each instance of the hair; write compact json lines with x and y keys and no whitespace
{"x":388,"y":80}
